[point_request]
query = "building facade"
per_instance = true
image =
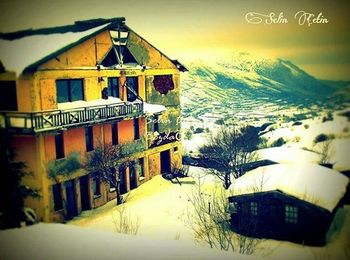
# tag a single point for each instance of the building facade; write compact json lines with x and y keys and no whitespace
{"x":107,"y":87}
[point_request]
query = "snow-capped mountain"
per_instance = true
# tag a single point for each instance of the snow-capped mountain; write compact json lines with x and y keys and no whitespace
{"x":245,"y":85}
{"x":256,"y":76}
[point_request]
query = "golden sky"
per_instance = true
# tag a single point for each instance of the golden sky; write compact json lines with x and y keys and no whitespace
{"x":192,"y":28}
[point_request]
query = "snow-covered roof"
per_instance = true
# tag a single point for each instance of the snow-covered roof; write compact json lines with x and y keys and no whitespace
{"x":96,"y":102}
{"x":151,"y":109}
{"x":148,"y":109}
{"x":59,"y":241}
{"x":318,"y":185}
{"x":16,"y":55}
{"x":286,"y":154}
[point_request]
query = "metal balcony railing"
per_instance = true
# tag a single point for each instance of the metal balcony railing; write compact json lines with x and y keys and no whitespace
{"x":43,"y":121}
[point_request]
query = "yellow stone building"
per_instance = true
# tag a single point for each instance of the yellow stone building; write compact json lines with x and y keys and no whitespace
{"x":69,"y":89}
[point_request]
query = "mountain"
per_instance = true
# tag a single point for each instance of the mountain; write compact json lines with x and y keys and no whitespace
{"x":252,"y":77}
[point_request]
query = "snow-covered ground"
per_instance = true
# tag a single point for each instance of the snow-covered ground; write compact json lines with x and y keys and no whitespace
{"x":161,"y":208}
{"x":58,"y":241}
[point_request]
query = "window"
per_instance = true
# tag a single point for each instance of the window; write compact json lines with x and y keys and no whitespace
{"x":8,"y":97}
{"x":136,"y":129}
{"x":141,"y":169}
{"x":57,"y":196}
{"x":69,"y":90}
{"x":132,"y":86}
{"x":115,"y":133}
{"x":89,"y":139}
{"x":59,"y":145}
{"x":113,"y":87}
{"x":96,"y":186}
{"x":291,"y":214}
{"x":156,"y":124}
{"x":112,"y":188}
{"x":254,"y":208}
{"x":233,"y":207}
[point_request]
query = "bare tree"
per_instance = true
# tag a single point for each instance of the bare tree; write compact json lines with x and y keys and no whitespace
{"x":104,"y":161}
{"x":326,"y":152}
{"x":227,"y":153}
{"x":209,"y":221}
{"x":124,"y":222}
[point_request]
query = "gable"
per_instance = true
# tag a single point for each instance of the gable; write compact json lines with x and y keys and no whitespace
{"x":86,"y":54}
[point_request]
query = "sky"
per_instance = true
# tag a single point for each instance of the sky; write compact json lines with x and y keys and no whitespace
{"x":199,"y":28}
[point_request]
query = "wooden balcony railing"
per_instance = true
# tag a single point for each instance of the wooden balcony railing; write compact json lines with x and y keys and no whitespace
{"x":43,"y":121}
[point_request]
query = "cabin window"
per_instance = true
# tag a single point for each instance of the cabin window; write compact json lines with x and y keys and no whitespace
{"x":96,"y":185}
{"x":254,"y":208}
{"x":89,"y":139}
{"x":115,"y":133}
{"x":113,"y":87}
{"x":59,"y":145}
{"x":57,"y":196}
{"x":291,"y":214}
{"x":163,"y":83}
{"x":132,"y":88}
{"x":69,"y":90}
{"x":141,"y":169}
{"x":136,"y":129}
{"x":233,"y":207}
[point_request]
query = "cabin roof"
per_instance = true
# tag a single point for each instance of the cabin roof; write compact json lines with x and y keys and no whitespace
{"x":24,"y":51}
{"x":315,"y":184}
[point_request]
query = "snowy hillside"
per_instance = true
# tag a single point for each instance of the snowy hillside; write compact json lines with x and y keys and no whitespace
{"x":243,"y":86}
{"x":256,"y":76}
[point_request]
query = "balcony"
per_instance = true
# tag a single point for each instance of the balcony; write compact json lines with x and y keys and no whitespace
{"x":44,"y":121}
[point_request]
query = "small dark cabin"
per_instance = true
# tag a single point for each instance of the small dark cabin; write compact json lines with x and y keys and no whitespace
{"x":287,"y":202}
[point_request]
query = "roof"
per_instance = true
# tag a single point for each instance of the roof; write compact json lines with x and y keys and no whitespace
{"x":287,"y":154}
{"x":24,"y":51}
{"x":309,"y":182}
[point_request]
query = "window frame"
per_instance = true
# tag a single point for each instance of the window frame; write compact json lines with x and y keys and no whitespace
{"x":96,"y":186}
{"x":129,"y":95}
{"x":59,"y":143}
{"x":115,"y":134}
{"x":113,"y":89}
{"x":253,"y":206}
{"x":291,"y":214}
{"x":89,"y":138}
{"x":69,"y":90}
{"x":57,"y":201}
{"x":136,"y":126}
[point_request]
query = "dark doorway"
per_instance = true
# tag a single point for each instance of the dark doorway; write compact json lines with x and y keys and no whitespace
{"x":165,"y":164}
{"x":133,"y":180}
{"x":122,"y":178}
{"x":72,"y":210}
{"x":84,"y":193}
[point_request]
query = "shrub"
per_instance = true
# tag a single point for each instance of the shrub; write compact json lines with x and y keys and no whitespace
{"x":346,"y":114}
{"x":199,"y":130}
{"x":306,"y":126}
{"x":297,"y":123}
{"x":188,"y":134}
{"x":296,"y":139}
{"x":263,"y":143}
{"x":220,"y":122}
{"x":279,"y":142}
{"x":321,"y":138}
{"x":65,"y":166}
{"x":328,"y":117}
